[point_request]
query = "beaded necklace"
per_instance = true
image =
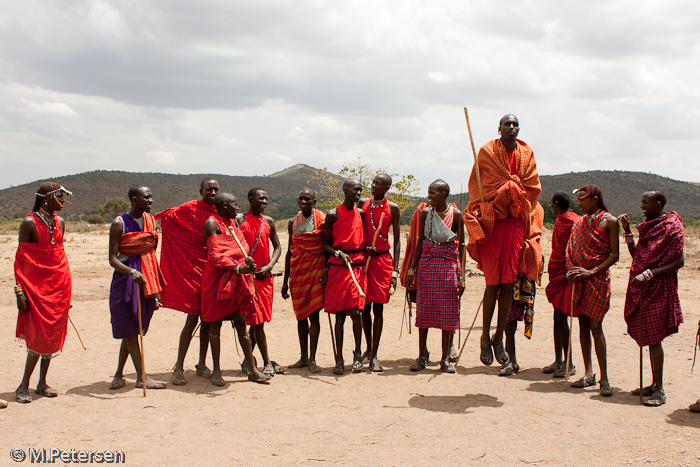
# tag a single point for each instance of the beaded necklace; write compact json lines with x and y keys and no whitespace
{"x":371,"y":215}
{"x":44,"y":216}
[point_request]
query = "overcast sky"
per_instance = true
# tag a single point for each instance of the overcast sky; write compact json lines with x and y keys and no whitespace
{"x":250,"y":88}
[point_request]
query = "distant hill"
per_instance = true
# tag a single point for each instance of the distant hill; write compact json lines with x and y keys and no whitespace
{"x":622,"y":191}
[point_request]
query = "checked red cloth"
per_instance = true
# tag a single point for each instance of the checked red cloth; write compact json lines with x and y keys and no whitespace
{"x":660,"y":243}
{"x":588,"y":247}
{"x":558,"y":289}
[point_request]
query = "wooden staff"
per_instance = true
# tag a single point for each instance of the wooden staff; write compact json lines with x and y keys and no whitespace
{"x":476,"y":160}
{"x":335,"y":352}
{"x":143,"y":351}
{"x":571,"y":327}
{"x":410,"y":309}
{"x":77,"y":332}
{"x":357,"y":285}
{"x":469,"y":332}
{"x":374,"y":240}
{"x":255,"y":284}
{"x":641,"y":349}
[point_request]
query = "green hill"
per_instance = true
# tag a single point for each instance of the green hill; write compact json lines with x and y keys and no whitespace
{"x":622,"y":191}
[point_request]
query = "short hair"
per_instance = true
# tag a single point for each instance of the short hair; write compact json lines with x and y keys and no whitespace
{"x":207,"y":180}
{"x":254,"y":190}
{"x":134,"y":191}
{"x":221,"y":198}
{"x":658,"y":196}
{"x":504,"y":117}
{"x":309,"y":190}
{"x":561,"y":199}
{"x":443,"y":185}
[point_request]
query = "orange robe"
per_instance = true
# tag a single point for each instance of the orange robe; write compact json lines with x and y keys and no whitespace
{"x":380,"y":266}
{"x":511,"y":197}
{"x":306,"y":266}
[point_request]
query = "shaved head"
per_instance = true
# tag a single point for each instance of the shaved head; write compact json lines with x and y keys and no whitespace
{"x":442,"y":186}
{"x":507,"y":117}
{"x":308,"y":191}
{"x":350,"y":182}
{"x":222,"y":198}
{"x":658,"y":196}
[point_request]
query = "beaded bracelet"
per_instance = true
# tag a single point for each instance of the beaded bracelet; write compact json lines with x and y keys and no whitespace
{"x":238,"y":269}
{"x":648,"y":275}
{"x":18,"y":289}
{"x":629,"y":239}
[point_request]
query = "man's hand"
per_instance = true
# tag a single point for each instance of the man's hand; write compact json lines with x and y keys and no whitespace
{"x":344,"y":258}
{"x":393,"y":282}
{"x":263,"y":273}
{"x":138,"y":278}
{"x":158,"y":303}
{"x":638,"y":279}
{"x":370,"y":251}
{"x":324,"y":277}
{"x":625,"y":221}
{"x":285,"y":290}
{"x":577,"y":273}
{"x":22,"y":303}
{"x":247,"y":269}
{"x":460,"y":288}
{"x":410,"y":281}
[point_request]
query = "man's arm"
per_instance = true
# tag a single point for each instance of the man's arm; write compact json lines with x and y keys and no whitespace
{"x":331,"y":217}
{"x":287,"y":261}
{"x":115,"y":233}
{"x":625,"y":221}
{"x":669,"y":268}
{"x":27,"y":231}
{"x":276,"y":253}
{"x":460,"y":249}
{"x":609,"y":224}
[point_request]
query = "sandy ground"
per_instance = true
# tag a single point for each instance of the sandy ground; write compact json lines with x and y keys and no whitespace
{"x":393,"y":418}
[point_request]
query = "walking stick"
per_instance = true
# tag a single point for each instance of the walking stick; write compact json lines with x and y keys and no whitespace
{"x":469,"y":332}
{"x":143,"y":352}
{"x":476,"y":160}
{"x":403,"y":318}
{"x":641,"y":348}
{"x":695,"y":349}
{"x":77,"y":332}
{"x":357,"y":285}
{"x":374,"y":240}
{"x":410,"y":309}
{"x":335,"y":352}
{"x":571,"y":328}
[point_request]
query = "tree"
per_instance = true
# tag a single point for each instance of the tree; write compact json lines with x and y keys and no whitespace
{"x":114,"y":207}
{"x":329,"y":188}
{"x":95,"y":218}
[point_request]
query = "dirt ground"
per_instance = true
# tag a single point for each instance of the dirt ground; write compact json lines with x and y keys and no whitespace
{"x":392,"y":418}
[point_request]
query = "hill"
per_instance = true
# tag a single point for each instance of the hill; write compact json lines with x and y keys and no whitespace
{"x":622,"y":190}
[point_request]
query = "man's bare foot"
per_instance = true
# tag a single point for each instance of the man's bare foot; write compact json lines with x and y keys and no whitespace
{"x":46,"y":390}
{"x":302,"y":363}
{"x":255,"y":376}
{"x":117,"y":382}
{"x":313,"y":368}
{"x":365,"y":356}
{"x":178,"y":378}
{"x":22,"y":395}
{"x":151,"y":384}
{"x":339,"y":368}
{"x":3,"y":404}
{"x":203,"y":371}
{"x":216,"y":379}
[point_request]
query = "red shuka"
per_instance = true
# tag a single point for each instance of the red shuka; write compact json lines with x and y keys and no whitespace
{"x":380,"y":267}
{"x":348,"y":236}
{"x":306,"y":266}
{"x":558,"y":289}
{"x":145,"y":243}
{"x":41,"y":269}
{"x":261,"y":255}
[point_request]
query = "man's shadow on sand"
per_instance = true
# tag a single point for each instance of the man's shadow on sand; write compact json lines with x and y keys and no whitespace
{"x":684,"y":417}
{"x":454,"y":404}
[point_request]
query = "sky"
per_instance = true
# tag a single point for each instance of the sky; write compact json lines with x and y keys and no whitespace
{"x":250,"y":88}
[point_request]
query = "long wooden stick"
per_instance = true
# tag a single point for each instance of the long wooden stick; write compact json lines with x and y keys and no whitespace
{"x":641,"y":348}
{"x":374,"y":240}
{"x":476,"y":160}
{"x":410,"y":310}
{"x":357,"y":285}
{"x":571,"y":327}
{"x":469,"y":332}
{"x":77,"y":332}
{"x":335,"y":352}
{"x":143,"y":351}
{"x":255,"y":284}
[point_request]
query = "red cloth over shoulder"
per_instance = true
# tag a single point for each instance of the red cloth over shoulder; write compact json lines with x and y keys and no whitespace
{"x":348,"y":236}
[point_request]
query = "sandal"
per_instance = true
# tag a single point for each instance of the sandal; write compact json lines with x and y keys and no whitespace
{"x":486,"y":354}
{"x":553,"y":368}
{"x":339,"y":368}
{"x":46,"y":391}
{"x":357,"y":364}
{"x":256,"y":379}
{"x":656,"y":400}
{"x":562,"y":373}
{"x":605,"y":389}
{"x":584,"y":382}
{"x":278,"y":369}
{"x":178,"y":378}
{"x":647,"y":391}
{"x":418,"y":365}
{"x":216,"y":379}
{"x":499,"y":352}
{"x":448,"y":367}
{"x":695,"y":407}
{"x":3,"y":404}
{"x":269,"y":370}
{"x":117,"y":382}
{"x":375,"y":366}
{"x":202,"y":371}
{"x":506,"y":370}
{"x":22,"y":396}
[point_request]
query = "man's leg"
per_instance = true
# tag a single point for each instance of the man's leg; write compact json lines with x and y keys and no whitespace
{"x":303,"y":332}
{"x":367,"y":326}
{"x":584,"y":323}
{"x":201,"y":366}
{"x":132,"y":344}
{"x":420,"y":362}
{"x":504,"y":301}
{"x":562,"y":345}
{"x":118,"y":381}
{"x":357,"y":332}
{"x":22,"y":392}
{"x":43,"y":388}
{"x":244,"y":338}
{"x":658,"y":397}
{"x":377,"y":336}
{"x":601,"y":351}
{"x":511,"y":366}
{"x":178,"y":377}
{"x":261,"y":340}
{"x":339,"y":362}
{"x":215,"y":342}
{"x":489,"y":306}
{"x":314,"y":332}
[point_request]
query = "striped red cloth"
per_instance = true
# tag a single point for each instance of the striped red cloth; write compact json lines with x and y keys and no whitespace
{"x":380,"y":267}
{"x":251,"y":229}
{"x":145,"y":243}
{"x":348,"y":236}
{"x":558,"y":289}
{"x":411,"y":242}
{"x":660,"y":243}
{"x":306,"y":266}
{"x":515,"y":195}
{"x":183,"y":254}
{"x":588,"y":247}
{"x":223,"y":291}
{"x":41,"y":269}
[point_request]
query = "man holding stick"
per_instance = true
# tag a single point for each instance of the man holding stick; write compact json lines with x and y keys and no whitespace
{"x":183,"y":257}
{"x":381,"y":270}
{"x":592,"y":249}
{"x":344,"y":241}
{"x":137,"y":278}
{"x":504,"y":226}
{"x":227,"y":286}
{"x":43,"y":287}
{"x":652,"y":306}
{"x":259,"y":230}
{"x":304,"y":271}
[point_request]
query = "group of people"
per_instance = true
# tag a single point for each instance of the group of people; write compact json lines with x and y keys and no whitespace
{"x":216,"y":265}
